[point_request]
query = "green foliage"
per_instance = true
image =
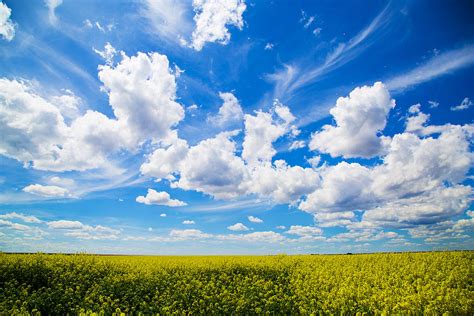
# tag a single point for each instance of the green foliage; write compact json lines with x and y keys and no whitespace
{"x":382,"y":284}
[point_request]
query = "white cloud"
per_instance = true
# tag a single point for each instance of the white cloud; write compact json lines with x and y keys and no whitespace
{"x":213,"y":168}
{"x":304,"y":231}
{"x":437,"y":66}
{"x":417,"y":182}
{"x":7,"y":27}
{"x":335,"y":219}
{"x":30,"y":125}
{"x":446,"y":230}
{"x":343,"y":186}
{"x":163,"y":215}
{"x":433,"y":104}
{"x":415,"y":165}
{"x":416,"y":123}
{"x":415,"y":108}
{"x":147,"y":82}
{"x":297,"y":144}
{"x":465,"y":104}
{"x":269,"y":46}
{"x":280,"y":227}
{"x":79,"y":230}
{"x":188,"y":222}
{"x":165,"y":161}
{"x":256,"y":237}
{"x":314,"y":161}
{"x":433,"y":207}
{"x":192,"y":107}
{"x":262,"y":130}
{"x":254,"y":219}
{"x":283,"y":183}
{"x":68,"y":104}
{"x":366,"y":235}
{"x":35,"y":132}
{"x":46,"y":190}
{"x":63,"y":182}
{"x":187,"y":234}
{"x":159,"y":198}
{"x":308,"y":22}
{"x":64,"y":224}
{"x":212,"y":18}
{"x":317,"y":31}
{"x":230,"y":112}
{"x":238,"y":227}
{"x":107,"y":54}
{"x":15,"y":226}
{"x":359,"y":118}
{"x":22,"y":217}
{"x":52,"y":5}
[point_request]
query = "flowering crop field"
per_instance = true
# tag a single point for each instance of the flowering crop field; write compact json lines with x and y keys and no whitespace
{"x":406,"y":283}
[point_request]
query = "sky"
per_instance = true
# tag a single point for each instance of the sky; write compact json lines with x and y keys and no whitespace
{"x":236,"y":127}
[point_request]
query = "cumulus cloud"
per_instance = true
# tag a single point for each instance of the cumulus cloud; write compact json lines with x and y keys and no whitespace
{"x":433,"y":207}
{"x":159,"y":198}
{"x":46,"y":190}
{"x":417,"y":182}
{"x":164,"y":161}
{"x":283,"y":183}
{"x":7,"y":27}
{"x":144,"y":80}
{"x":35,"y":130}
{"x":342,"y":188}
{"x":188,"y":222}
{"x":163,"y":215}
{"x":30,"y":125}
{"x":230,"y":112}
{"x":465,"y":104}
{"x":68,"y":104}
{"x":212,"y":19}
{"x":213,"y":168}
{"x":238,"y":227}
{"x":335,"y":219}
{"x":314,"y":161}
{"x":359,"y":118}
{"x":261,"y":130}
{"x":426,"y":172}
{"x":254,"y":219}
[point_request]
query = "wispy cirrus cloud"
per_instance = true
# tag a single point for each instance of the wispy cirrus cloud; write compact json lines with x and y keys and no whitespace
{"x":437,"y":66}
{"x":293,"y":77}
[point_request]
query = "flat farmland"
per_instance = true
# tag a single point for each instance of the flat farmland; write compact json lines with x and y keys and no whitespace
{"x":434,"y":283}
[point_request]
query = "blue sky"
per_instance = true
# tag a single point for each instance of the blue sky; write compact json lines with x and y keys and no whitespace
{"x":237,"y":127}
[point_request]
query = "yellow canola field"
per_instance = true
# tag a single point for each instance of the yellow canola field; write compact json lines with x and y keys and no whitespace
{"x":438,"y":283}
